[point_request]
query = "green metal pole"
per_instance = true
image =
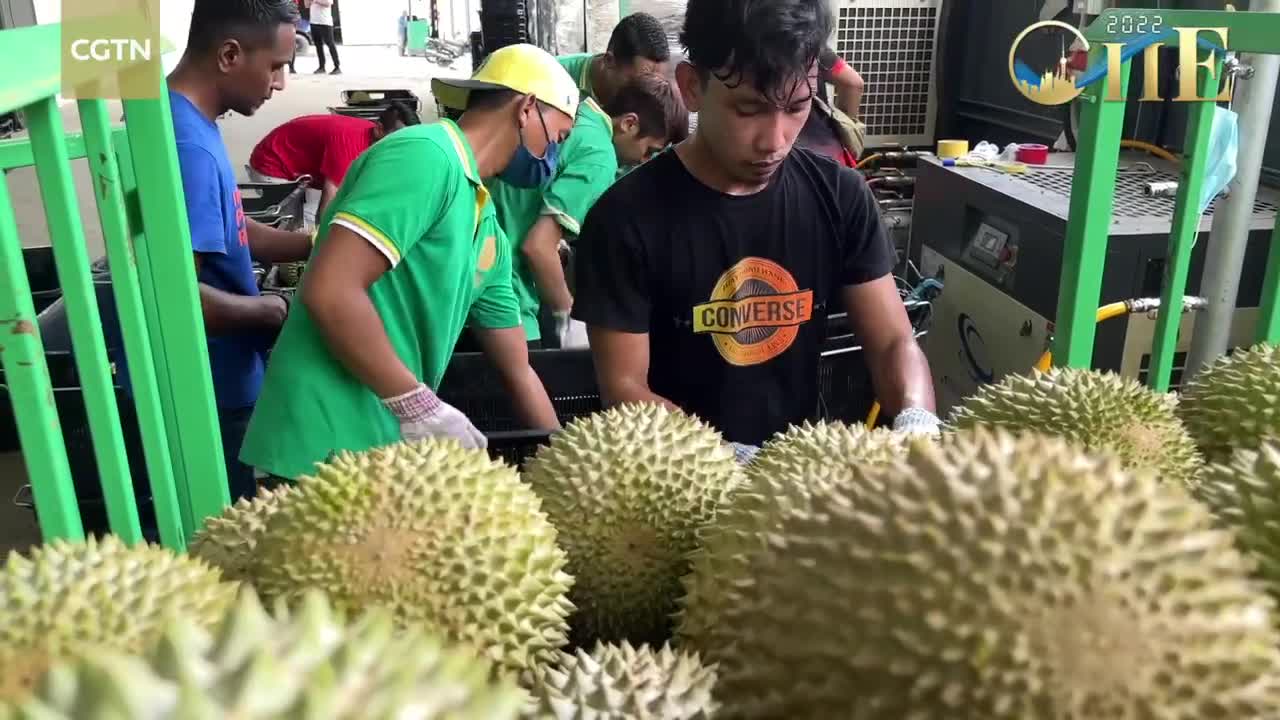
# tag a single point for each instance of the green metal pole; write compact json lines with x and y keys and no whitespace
{"x":1186,"y":228}
{"x":150,"y":306}
{"x":30,"y":390}
{"x":53,"y":169}
{"x":1269,"y":320}
{"x":132,"y":318}
{"x":1089,"y":221}
{"x":167,"y":266}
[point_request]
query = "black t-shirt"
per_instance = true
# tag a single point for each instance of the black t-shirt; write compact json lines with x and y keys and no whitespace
{"x":733,"y":291}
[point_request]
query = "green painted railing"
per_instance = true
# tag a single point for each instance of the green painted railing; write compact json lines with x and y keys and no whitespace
{"x":1092,"y":193}
{"x":140,"y":205}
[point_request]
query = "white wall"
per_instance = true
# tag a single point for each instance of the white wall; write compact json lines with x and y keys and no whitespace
{"x":48,"y":11}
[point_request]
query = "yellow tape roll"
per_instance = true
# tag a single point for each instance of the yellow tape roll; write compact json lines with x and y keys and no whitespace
{"x":953,"y":149}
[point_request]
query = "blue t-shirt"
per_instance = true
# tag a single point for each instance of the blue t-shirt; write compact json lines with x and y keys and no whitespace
{"x":219,"y":232}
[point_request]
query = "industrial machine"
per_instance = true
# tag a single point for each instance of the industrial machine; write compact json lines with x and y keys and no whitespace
{"x":995,"y":240}
{"x":894,"y":45}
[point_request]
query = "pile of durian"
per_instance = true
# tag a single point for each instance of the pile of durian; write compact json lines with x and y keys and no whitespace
{"x":1074,"y":546}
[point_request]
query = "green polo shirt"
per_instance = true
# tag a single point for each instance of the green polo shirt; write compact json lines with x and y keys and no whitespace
{"x":579,"y":67}
{"x":587,"y":166}
{"x":417,"y":197}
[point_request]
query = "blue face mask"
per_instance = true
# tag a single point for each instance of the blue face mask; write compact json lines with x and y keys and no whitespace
{"x":1224,"y":145}
{"x":527,"y":170}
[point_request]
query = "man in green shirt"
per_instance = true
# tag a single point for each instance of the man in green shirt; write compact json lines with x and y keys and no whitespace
{"x":642,"y":118}
{"x":410,"y":250}
{"x":637,"y":45}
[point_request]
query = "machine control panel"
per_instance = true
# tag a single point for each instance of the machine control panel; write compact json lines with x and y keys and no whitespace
{"x":991,"y":250}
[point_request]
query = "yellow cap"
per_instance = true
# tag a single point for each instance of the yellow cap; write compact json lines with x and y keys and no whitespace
{"x":526,"y":69}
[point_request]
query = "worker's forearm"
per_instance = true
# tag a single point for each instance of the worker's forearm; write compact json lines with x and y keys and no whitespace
{"x":356,"y":336}
{"x":268,"y":244}
{"x":532,"y":404}
{"x":849,"y":100}
{"x":629,"y":391}
{"x":542,"y":251}
{"x":226,"y":313}
{"x":901,"y":377}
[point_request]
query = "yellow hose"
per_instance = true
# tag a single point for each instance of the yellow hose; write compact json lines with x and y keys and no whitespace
{"x":1153,"y":149}
{"x":1106,"y":312}
{"x":868,"y":160}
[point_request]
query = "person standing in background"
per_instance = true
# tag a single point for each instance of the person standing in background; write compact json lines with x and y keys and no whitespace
{"x":404,"y":32}
{"x":322,"y":34}
{"x":638,"y":45}
{"x":643,"y":117}
{"x":833,"y":129}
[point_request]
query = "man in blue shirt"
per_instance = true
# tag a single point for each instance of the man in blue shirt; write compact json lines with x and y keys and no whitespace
{"x":235,"y":59}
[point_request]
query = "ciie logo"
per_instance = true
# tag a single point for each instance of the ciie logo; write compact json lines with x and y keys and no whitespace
{"x":111,"y":50}
{"x":1064,"y":82}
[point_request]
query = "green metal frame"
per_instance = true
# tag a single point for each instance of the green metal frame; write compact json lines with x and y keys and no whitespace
{"x":138,"y":189}
{"x":1093,"y":190}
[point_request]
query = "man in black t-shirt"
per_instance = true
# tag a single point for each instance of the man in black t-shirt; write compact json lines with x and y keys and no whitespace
{"x":705,"y":276}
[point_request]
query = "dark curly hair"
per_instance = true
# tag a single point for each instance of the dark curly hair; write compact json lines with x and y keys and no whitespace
{"x":771,"y":41}
{"x":398,"y":112}
{"x":253,"y":23}
{"x":639,"y":35}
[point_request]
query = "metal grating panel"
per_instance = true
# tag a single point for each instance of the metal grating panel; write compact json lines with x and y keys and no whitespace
{"x":893,"y":44}
{"x":1130,"y":201}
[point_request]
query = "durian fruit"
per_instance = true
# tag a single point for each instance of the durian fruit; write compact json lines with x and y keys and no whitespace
{"x":1234,"y":402}
{"x":311,"y":665}
{"x":800,"y":446}
{"x":442,"y":535}
{"x":66,"y":596}
{"x":229,"y":541}
{"x":1245,"y":494}
{"x":624,"y":682}
{"x":783,"y":476}
{"x":1101,"y":411}
{"x":998,"y":577}
{"x":629,"y":488}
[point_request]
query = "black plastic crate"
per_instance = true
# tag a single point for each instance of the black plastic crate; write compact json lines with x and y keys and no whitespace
{"x":473,"y":385}
{"x":73,"y":416}
{"x":380,"y":97}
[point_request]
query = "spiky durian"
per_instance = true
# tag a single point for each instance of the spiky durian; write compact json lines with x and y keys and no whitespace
{"x":1101,"y":411}
{"x":442,"y":535}
{"x":1234,"y":402}
{"x":312,"y":665}
{"x":229,"y":541}
{"x":65,"y":597}
{"x":622,"y":682}
{"x":1245,"y":494}
{"x":783,"y":476}
{"x":994,"y":577}
{"x":629,"y":488}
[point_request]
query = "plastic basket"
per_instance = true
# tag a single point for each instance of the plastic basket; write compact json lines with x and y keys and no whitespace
{"x":379,"y":98}
{"x":472,"y":385}
{"x":73,"y":416}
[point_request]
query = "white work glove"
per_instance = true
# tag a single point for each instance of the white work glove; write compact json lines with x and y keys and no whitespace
{"x":422,"y":415}
{"x":571,"y":333}
{"x":917,"y":421}
{"x":744,"y":454}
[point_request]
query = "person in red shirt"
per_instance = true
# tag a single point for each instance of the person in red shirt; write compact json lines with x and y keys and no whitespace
{"x":322,"y":146}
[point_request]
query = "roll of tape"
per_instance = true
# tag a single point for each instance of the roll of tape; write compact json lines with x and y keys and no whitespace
{"x":953,"y":148}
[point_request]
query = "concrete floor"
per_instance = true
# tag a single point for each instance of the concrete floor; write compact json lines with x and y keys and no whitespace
{"x":304,"y":93}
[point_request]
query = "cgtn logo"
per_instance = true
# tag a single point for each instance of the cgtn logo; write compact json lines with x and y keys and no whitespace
{"x":128,"y":50}
{"x":1146,"y":35}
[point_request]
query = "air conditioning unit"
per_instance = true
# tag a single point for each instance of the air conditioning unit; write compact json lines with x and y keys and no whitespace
{"x":893,"y":44}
